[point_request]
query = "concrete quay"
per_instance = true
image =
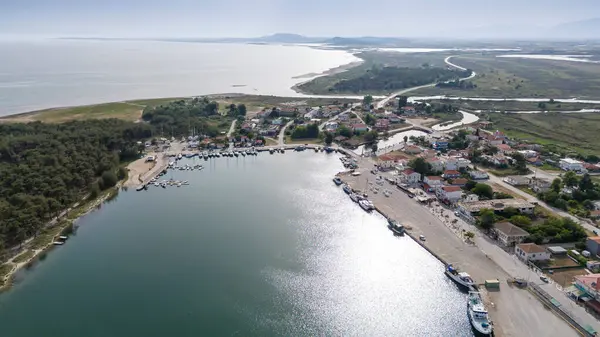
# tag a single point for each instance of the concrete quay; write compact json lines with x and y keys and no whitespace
{"x":514,"y":311}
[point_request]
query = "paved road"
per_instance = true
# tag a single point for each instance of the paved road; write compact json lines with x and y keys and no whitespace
{"x":281,"y":136}
{"x":384,"y":101}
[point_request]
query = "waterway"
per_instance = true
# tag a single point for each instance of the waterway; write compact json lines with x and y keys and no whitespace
{"x":254,"y":246}
{"x":467,"y":118}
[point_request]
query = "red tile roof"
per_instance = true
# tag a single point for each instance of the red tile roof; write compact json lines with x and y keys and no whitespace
{"x":408,"y":172}
{"x":590,"y":280}
{"x":359,"y":126}
{"x":451,"y":172}
{"x":434,"y":178}
{"x":531,"y":248}
{"x":451,"y":188}
{"x":504,"y":147}
{"x":460,"y":181}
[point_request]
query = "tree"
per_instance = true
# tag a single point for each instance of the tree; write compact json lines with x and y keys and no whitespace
{"x":586,"y":183}
{"x":469,"y":235}
{"x":241,"y":109}
{"x":487,"y":218}
{"x":232,"y":110}
{"x":510,"y":212}
{"x":328,"y":138}
{"x":109,"y":179}
{"x":520,"y":221}
{"x":374,"y":147}
{"x":483,"y":190}
{"x":570,"y":179}
{"x":406,"y":139}
{"x":420,"y":166}
{"x":367,"y":100}
{"x":370,"y":136}
{"x":520,"y":162}
{"x":369,"y":119}
{"x":344,"y":131}
{"x":556,"y":185}
{"x":402,"y":101}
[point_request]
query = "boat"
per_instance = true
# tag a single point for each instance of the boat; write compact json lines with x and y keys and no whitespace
{"x":396,"y":227}
{"x":478,"y":316}
{"x":328,"y":149}
{"x":337,"y":181}
{"x":354,"y":197}
{"x":141,"y":187}
{"x":235,"y":153}
{"x":271,"y":151}
{"x":58,"y":243}
{"x":461,"y":278}
{"x":282,"y":150}
{"x":422,"y":238}
{"x":243,"y":153}
{"x":300,"y":148}
{"x":347,"y":189}
{"x":366,"y":205}
{"x":387,"y":193}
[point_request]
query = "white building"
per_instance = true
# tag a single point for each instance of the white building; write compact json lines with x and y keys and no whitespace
{"x":569,"y":164}
{"x":528,"y":153}
{"x":409,"y":176}
{"x":449,"y":193}
{"x":436,"y":164}
{"x":531,"y":252}
{"x":433,"y":181}
{"x":477,"y":175}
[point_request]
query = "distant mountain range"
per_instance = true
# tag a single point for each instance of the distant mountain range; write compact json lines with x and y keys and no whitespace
{"x":585,"y":29}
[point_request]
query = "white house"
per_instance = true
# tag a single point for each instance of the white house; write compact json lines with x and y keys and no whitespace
{"x":569,"y":164}
{"x":531,"y":252}
{"x":436,"y":164}
{"x":509,"y":234}
{"x":449,"y":193}
{"x":478,"y":175}
{"x":528,"y":153}
{"x":433,"y":181}
{"x":409,"y":176}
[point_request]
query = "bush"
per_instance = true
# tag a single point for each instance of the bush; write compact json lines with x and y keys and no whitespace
{"x":109,"y":179}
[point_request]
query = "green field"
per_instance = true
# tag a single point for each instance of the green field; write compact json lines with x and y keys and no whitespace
{"x":507,"y":105}
{"x":514,"y":77}
{"x":566,"y":133}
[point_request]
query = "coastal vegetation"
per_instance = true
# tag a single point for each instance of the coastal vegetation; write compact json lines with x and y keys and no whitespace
{"x":507,"y":105}
{"x":558,"y":132}
{"x":46,"y":168}
{"x":573,"y":194}
{"x":517,"y":77}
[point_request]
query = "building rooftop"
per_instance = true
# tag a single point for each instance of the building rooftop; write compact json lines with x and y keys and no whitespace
{"x":590,"y":280}
{"x":557,"y":250}
{"x":496,"y":204}
{"x":596,"y":239}
{"x":434,"y":178}
{"x":451,"y":188}
{"x":531,"y":248}
{"x":570,"y":161}
{"x":509,"y":229}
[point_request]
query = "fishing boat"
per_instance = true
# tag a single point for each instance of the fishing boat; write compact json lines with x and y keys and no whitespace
{"x":478,"y":316}
{"x":347,"y":189}
{"x":461,"y":278}
{"x":395,"y":227}
{"x":235,"y":153}
{"x":366,"y":205}
{"x":337,"y":181}
{"x":300,"y":148}
{"x":354,"y":197}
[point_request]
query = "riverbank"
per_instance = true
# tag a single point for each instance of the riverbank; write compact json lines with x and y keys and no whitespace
{"x":35,"y":247}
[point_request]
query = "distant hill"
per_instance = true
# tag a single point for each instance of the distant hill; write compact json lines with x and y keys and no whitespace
{"x":366,"y":41}
{"x":585,"y":29}
{"x":288,"y":38}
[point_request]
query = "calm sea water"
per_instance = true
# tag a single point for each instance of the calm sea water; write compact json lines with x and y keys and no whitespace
{"x":254,"y":246}
{"x":50,"y":73}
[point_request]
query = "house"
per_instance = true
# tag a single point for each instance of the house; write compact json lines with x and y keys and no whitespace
{"x":478,"y":175}
{"x":456,"y":163}
{"x":516,"y":180}
{"x":314,"y":113}
{"x":498,"y":205}
{"x":535,"y":161}
{"x":471,"y":197}
{"x":459,"y":182}
{"x":439,"y":145}
{"x":387,"y":161}
{"x":331,"y":126}
{"x":595,"y":214}
{"x":591,"y":167}
{"x":528,"y":153}
{"x":436,"y":164}
{"x":395,"y":119}
{"x":258,"y":142}
{"x":449,"y":193}
{"x":382,"y":124}
{"x":590,"y":284}
{"x":499,"y":160}
{"x":569,"y":164}
{"x":409,"y":176}
{"x":531,"y":252}
{"x":485,"y":124}
{"x":344,"y":117}
{"x":339,"y":139}
{"x":451,"y":174}
{"x":277,"y":121}
{"x":359,"y":127}
{"x":287,"y":111}
{"x":491,"y":140}
{"x":539,"y":185}
{"x":412,"y":149}
{"x":504,"y":148}
{"x":592,"y":245}
{"x":408,"y":110}
{"x":264,"y":114}
{"x":433,"y":181}
{"x":509,"y":234}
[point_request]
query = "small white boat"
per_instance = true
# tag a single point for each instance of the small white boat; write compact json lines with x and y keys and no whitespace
{"x":422,"y":237}
{"x":461,"y":278}
{"x":478,"y":316}
{"x":178,"y":184}
{"x":387,"y":193}
{"x":354,"y":197}
{"x":366,"y":205}
{"x":58,"y":243}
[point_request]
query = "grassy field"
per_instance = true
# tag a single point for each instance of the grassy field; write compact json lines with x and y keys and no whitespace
{"x":132,"y":110}
{"x":289,"y":140}
{"x":501,"y":106}
{"x":513,"y":77}
{"x":565,"y":132}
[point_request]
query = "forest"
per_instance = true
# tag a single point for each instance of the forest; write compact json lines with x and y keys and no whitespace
{"x":180,"y":117}
{"x":45,"y":168}
{"x":395,"y":78}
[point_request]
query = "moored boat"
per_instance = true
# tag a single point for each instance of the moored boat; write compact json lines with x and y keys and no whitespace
{"x":354,"y":197}
{"x":395,"y":227}
{"x":337,"y":181}
{"x":347,"y":189}
{"x":477,"y":314}
{"x":366,"y":205}
{"x":461,"y":278}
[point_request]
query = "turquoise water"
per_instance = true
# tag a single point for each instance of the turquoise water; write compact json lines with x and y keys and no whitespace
{"x":254,"y":246}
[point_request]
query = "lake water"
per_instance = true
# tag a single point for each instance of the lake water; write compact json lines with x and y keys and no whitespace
{"x":50,"y":73}
{"x":254,"y":246}
{"x":569,"y":58}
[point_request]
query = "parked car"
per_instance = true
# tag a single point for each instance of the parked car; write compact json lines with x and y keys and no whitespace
{"x":544,"y":278}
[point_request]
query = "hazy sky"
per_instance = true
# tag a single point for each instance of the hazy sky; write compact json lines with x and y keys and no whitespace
{"x":219,"y":18}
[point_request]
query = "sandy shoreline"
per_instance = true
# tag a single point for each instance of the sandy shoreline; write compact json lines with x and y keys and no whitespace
{"x":311,"y":76}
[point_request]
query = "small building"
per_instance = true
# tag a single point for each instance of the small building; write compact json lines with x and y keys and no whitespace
{"x":531,"y":252}
{"x":539,"y":185}
{"x":478,"y":175}
{"x":590,"y":284}
{"x":382,"y":124}
{"x":508,"y":234}
{"x":412,"y":149}
{"x":359,"y":127}
{"x":595,"y":214}
{"x":150,"y":158}
{"x":436,"y":164}
{"x":439,"y":145}
{"x":340,"y":139}
{"x":535,"y":161}
{"x":409,"y":176}
{"x":449,"y":193}
{"x":485,"y":124}
{"x":433,"y":181}
{"x":592,"y":245}
{"x":528,"y":153}
{"x":569,"y":164}
{"x":498,"y":205}
{"x":516,"y":180}
{"x":451,"y":174}
{"x":277,"y":121}
{"x":557,"y":251}
{"x":459,"y":182}
{"x":504,"y":148}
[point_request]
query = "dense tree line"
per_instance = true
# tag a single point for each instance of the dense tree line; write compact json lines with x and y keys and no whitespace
{"x":305,"y":131}
{"x":179,"y":118}
{"x":578,"y":200}
{"x":457,"y":84}
{"x":394,"y":78}
{"x":45,"y":168}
